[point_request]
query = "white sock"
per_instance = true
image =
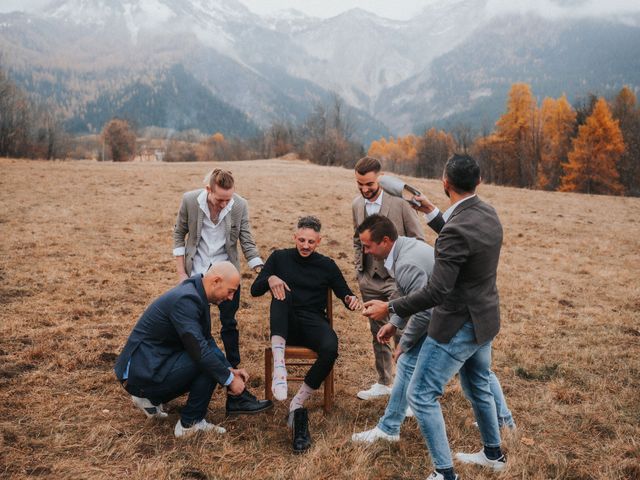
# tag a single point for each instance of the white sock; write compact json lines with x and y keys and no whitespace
{"x":302,"y":396}
{"x":279,"y":379}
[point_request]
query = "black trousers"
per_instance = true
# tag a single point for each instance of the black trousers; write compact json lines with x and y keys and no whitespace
{"x":308,"y":329}
{"x":229,"y":331}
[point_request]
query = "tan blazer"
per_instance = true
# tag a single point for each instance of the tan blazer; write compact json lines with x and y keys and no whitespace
{"x":186,"y":232}
{"x":403,"y":217}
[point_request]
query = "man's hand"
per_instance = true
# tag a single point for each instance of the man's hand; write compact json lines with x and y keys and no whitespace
{"x":236,"y":387}
{"x":180,"y":268}
{"x":386,"y":333}
{"x":278,"y":287}
{"x":376,"y":309}
{"x":396,"y":353}
{"x":425,"y":205}
{"x":241,"y":372}
{"x":352,"y":302}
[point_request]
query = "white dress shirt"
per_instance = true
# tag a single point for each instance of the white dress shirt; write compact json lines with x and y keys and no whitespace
{"x":445,"y":216}
{"x":373,"y":207}
{"x":388,"y":262}
{"x":213,"y":238}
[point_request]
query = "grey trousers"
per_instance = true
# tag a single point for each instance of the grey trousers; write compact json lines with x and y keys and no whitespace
{"x":376,"y":288}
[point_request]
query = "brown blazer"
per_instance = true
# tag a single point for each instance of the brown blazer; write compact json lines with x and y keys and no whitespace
{"x":186,"y":232}
{"x":403,"y":217}
{"x":463,"y":284}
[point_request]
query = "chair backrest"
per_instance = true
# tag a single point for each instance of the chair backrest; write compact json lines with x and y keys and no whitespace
{"x":330,"y":307}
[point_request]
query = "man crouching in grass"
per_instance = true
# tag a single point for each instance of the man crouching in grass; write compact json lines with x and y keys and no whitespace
{"x":171,"y":352}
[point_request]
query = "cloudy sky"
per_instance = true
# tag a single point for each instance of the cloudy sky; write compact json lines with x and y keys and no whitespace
{"x":404,"y":9}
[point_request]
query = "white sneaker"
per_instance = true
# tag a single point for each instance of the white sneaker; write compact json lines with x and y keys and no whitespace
{"x":409,"y":413}
{"x":377,"y":390}
{"x":201,"y":426}
{"x":370,"y":436}
{"x":149,"y":409}
{"x":479,"y":458}
{"x":438,"y":476}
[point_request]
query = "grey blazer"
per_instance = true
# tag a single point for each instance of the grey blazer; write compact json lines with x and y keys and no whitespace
{"x":403,"y":217}
{"x":463,"y":284}
{"x":412,"y":265}
{"x":186,"y":232}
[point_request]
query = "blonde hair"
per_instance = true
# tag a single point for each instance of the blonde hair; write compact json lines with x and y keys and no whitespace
{"x":220,"y":178}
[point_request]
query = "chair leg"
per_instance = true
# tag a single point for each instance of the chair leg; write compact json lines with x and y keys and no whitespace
{"x":268,"y":373}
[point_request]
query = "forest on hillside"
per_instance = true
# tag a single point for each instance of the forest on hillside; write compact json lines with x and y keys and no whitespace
{"x":590,"y":147}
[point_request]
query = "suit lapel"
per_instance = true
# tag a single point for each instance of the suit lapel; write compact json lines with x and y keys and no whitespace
{"x":207,"y":312}
{"x":385,"y":207}
{"x":361,"y":211}
{"x":227,"y":227}
{"x":400,"y":242}
{"x":200,"y":220}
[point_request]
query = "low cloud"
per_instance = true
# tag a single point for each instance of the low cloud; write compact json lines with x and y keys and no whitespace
{"x":564,"y":8}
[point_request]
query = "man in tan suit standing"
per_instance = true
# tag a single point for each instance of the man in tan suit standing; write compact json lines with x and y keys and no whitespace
{"x":373,"y":278}
{"x":210,"y":223}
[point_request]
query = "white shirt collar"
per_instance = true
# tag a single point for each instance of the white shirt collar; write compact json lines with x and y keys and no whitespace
{"x":388,"y":262}
{"x":204,"y":206}
{"x":377,"y":201}
{"x":447,"y":214}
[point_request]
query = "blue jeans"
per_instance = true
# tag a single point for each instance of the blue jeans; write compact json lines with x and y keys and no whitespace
{"x":395,"y":412}
{"x":397,"y":406}
{"x":437,"y":363}
{"x":185,"y":376}
{"x":505,"y":418}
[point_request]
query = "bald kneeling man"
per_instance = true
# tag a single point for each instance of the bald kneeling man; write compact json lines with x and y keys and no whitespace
{"x":171,"y":352}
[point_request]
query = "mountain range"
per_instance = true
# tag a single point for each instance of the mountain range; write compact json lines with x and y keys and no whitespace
{"x":216,"y":66}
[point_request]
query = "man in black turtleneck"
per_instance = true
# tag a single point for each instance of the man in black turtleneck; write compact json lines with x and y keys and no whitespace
{"x":298,"y":279}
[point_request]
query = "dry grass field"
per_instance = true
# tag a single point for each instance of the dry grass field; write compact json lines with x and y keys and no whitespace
{"x":85,"y":246}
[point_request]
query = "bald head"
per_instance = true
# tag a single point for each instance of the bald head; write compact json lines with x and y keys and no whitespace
{"x":226,"y":270}
{"x":221,"y":282}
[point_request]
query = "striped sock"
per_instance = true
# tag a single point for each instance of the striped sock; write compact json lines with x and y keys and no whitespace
{"x":302,"y":396}
{"x":279,"y":380}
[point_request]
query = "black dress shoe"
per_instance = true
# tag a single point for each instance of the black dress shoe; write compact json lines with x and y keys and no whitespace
{"x":246,"y":403}
{"x":300,"y":432}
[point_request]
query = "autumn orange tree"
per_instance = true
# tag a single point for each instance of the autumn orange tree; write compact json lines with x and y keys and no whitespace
{"x":517,"y":135}
{"x":120,"y":140}
{"x":596,"y":151}
{"x":396,"y":154}
{"x":626,"y":111}
{"x":558,"y":122}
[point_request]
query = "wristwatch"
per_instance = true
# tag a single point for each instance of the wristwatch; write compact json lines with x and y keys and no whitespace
{"x":390,"y":308}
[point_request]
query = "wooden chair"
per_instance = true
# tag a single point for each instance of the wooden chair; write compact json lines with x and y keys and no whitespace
{"x":302,"y":357}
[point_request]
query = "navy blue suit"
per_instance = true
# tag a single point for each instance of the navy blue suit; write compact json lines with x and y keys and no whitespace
{"x":171,"y":351}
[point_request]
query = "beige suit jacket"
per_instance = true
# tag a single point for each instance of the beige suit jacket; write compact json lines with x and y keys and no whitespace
{"x":188,"y":227}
